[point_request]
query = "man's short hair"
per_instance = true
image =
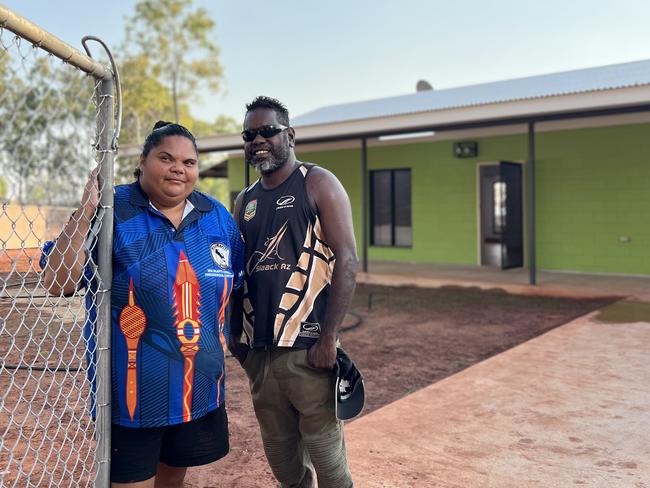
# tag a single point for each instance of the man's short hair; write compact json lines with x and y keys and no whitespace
{"x":273,"y":104}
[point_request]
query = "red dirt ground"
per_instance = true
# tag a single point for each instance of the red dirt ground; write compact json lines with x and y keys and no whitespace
{"x":402,"y":339}
{"x":407,"y":339}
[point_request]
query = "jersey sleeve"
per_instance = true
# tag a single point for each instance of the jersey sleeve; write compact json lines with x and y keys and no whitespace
{"x":45,"y":254}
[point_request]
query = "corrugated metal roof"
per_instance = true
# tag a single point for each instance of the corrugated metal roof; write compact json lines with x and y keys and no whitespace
{"x":568,"y":82}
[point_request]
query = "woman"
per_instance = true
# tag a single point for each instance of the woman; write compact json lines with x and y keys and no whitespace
{"x":177,"y":254}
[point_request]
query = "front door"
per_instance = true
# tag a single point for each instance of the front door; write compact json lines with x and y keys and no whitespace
{"x":501,"y":215}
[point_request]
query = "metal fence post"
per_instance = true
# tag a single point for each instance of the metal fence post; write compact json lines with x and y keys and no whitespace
{"x":106,"y":154}
{"x":55,"y":346}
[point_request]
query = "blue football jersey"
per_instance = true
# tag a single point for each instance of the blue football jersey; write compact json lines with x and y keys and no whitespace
{"x":170,"y":291}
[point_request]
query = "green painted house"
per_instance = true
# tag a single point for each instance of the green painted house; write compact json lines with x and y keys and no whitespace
{"x":548,"y":172}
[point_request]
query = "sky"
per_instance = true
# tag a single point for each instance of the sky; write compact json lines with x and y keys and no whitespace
{"x":311,"y":54}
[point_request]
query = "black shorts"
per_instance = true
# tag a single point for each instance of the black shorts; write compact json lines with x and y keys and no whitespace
{"x":136,"y":452}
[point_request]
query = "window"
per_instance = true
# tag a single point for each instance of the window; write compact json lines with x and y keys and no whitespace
{"x":390,"y":210}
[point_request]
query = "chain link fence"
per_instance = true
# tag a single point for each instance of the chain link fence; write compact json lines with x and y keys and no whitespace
{"x":56,"y":123}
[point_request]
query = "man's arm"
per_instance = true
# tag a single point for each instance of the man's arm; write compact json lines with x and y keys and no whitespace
{"x":236,"y":307}
{"x":65,"y":263}
{"x":335,"y":212}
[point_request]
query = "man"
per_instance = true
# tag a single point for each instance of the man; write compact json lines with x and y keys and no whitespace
{"x":301,"y":262}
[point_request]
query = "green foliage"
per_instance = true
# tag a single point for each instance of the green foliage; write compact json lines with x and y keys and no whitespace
{"x":3,"y":189}
{"x":46,"y":121}
{"x":222,"y":125}
{"x":144,"y":98}
{"x":217,"y":187}
{"x":168,"y":58}
{"x":226,"y":125}
{"x":5,"y":60}
{"x":176,"y":41}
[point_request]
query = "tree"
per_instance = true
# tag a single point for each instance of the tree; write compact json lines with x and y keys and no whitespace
{"x":144,"y":98}
{"x":176,"y":41}
{"x":168,"y":57}
{"x":47,"y":125}
{"x":217,"y":187}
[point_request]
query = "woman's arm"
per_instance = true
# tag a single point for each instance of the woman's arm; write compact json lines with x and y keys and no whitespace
{"x":65,"y":263}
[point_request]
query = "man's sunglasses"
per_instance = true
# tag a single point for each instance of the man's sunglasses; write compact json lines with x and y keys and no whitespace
{"x":266,"y":131}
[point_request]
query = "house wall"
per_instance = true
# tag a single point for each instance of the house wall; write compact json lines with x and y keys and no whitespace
{"x":593,"y":193}
{"x":594,"y":188}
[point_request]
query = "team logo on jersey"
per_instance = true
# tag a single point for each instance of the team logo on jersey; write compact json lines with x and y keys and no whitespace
{"x":270,"y":253}
{"x":251,"y":208}
{"x":220,"y":254}
{"x":309,"y":329}
{"x":285,"y":201}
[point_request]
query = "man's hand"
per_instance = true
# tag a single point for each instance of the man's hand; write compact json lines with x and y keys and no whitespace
{"x":333,"y":205}
{"x":322,"y":354}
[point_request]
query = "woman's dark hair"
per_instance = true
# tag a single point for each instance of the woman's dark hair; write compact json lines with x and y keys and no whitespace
{"x":162,"y":129}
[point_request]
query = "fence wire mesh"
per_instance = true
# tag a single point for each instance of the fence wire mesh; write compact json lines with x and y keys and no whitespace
{"x":49,"y":123}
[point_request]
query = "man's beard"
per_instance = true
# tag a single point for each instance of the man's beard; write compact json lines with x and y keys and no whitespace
{"x":276,"y":158}
{"x":269,"y":166}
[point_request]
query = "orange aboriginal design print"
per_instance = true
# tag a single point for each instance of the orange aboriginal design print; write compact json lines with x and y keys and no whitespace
{"x":187,"y":298}
{"x":133,"y":322}
{"x":225,"y":297}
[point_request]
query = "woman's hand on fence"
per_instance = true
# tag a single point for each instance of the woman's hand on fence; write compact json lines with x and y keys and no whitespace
{"x":90,"y":197}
